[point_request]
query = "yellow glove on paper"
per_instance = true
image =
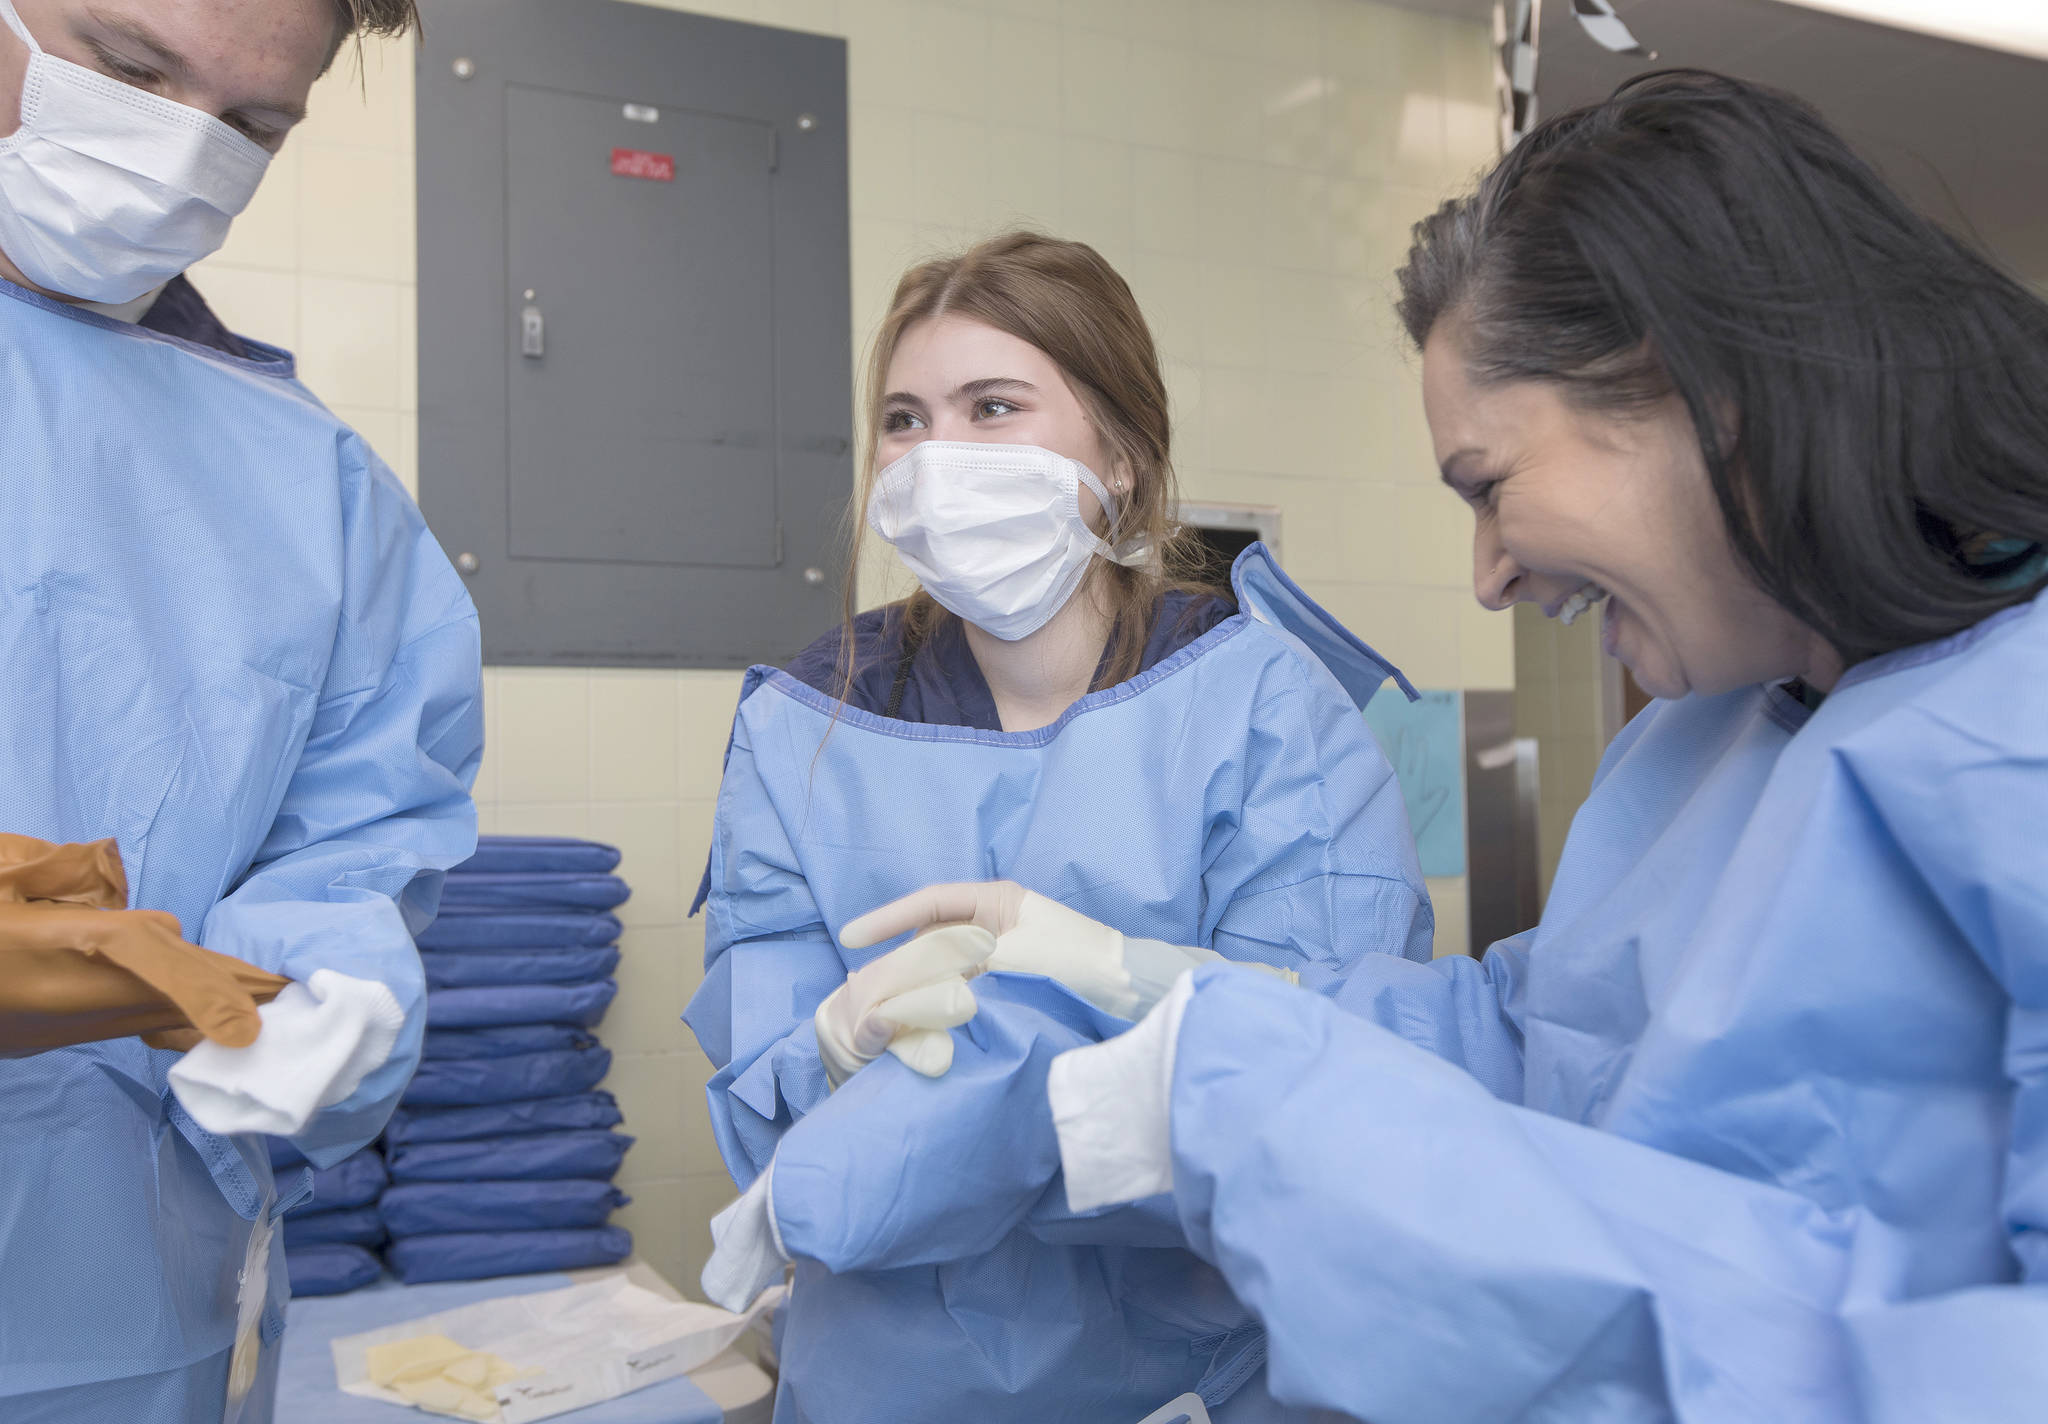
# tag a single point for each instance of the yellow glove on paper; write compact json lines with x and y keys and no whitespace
{"x":434,"y":1373}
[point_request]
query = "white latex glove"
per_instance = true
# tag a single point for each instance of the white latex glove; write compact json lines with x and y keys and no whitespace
{"x":992,"y":905}
{"x":1112,"y":1109}
{"x":747,"y":1255}
{"x":1034,"y":934}
{"x":905,"y":1003}
{"x":319,"y":1040}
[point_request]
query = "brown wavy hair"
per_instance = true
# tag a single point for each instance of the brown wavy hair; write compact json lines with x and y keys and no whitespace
{"x":388,"y":19}
{"x":1064,"y":299}
{"x":377,"y":17}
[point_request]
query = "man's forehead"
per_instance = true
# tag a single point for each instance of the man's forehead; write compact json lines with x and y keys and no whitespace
{"x":275,"y":48}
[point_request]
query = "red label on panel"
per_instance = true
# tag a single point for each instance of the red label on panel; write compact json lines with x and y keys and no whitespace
{"x":639,"y":163}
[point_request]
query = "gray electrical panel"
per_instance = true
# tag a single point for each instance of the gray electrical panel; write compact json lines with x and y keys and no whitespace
{"x":635,"y":356}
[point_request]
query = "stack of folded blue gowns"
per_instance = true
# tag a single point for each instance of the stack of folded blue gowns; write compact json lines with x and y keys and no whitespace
{"x":502,"y":1152}
{"x":329,"y":1238}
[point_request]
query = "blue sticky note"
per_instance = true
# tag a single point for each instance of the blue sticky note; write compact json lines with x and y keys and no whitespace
{"x":1425,"y":742}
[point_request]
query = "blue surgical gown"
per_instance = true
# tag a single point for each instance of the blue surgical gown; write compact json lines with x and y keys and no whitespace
{"x":1230,"y":796}
{"x":228,"y":641}
{"x":1753,"y":1127}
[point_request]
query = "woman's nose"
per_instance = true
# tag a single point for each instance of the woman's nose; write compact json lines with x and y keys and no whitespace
{"x":1496,"y":577}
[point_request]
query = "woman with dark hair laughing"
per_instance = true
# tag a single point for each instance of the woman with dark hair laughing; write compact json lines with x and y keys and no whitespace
{"x":1754,"y":1125}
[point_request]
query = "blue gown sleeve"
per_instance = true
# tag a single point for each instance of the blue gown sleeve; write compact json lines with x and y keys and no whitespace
{"x":1419,"y":1248}
{"x":1966,"y":809}
{"x":901,"y":1170}
{"x":378,"y":804}
{"x":1320,"y":870}
{"x":1315,"y":870}
{"x":1465,"y":1011}
{"x":1318,"y":875}
{"x":769,"y":961}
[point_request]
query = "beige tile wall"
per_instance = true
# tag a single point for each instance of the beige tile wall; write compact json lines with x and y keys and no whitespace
{"x":1251,"y":165}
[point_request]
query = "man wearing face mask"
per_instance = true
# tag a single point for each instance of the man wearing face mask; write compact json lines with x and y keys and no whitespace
{"x":229,"y":644}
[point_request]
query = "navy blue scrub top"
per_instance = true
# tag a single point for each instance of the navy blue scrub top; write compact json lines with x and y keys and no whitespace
{"x":180,"y":311}
{"x":945,"y":686}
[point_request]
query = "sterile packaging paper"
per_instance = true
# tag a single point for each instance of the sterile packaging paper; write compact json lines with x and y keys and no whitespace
{"x":582,"y":1344}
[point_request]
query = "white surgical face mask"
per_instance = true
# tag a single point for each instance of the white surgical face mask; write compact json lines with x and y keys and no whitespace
{"x":993,"y":532}
{"x":107,"y":192}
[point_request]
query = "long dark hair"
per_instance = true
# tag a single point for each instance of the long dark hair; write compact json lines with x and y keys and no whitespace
{"x":1870,"y":394}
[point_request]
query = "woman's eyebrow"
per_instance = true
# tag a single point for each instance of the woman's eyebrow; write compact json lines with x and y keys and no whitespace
{"x":989,"y":385}
{"x":903,"y":398}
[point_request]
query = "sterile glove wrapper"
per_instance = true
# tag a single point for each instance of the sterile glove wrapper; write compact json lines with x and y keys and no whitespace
{"x":540,"y":1355}
{"x":78,"y":966}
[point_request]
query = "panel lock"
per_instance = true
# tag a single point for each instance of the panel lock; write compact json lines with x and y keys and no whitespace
{"x":533,"y":332}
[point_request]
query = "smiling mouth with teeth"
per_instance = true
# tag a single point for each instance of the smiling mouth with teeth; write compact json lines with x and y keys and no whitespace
{"x":1579,"y":602}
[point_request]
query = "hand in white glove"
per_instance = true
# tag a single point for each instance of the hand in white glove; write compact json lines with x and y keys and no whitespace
{"x":318,"y":1042}
{"x":747,"y":1255}
{"x":905,"y":1003}
{"x":993,"y":905}
{"x":1036,"y":935}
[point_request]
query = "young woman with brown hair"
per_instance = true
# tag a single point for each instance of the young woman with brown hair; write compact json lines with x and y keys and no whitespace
{"x":1004,"y":633}
{"x":1066,"y":705}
